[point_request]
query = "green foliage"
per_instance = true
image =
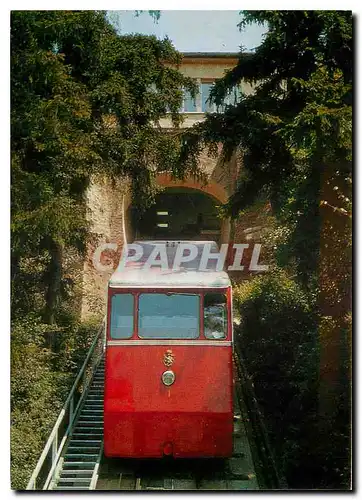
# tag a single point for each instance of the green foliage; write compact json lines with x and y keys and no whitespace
{"x":36,"y":396}
{"x":296,"y":122}
{"x":85,"y":100}
{"x":278,"y":336}
{"x":40,"y":381}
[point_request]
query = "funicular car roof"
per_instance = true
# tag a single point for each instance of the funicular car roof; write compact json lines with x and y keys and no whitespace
{"x":134,"y":275}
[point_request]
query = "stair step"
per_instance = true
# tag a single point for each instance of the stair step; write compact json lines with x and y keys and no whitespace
{"x":81,"y":464}
{"x":89,"y":428}
{"x":82,"y":455}
{"x":86,"y":480}
{"x":77,"y":472}
{"x":87,"y":441}
{"x":98,"y":410}
{"x":71,"y":488}
{"x":93,"y":421}
{"x":87,"y":431}
{"x":84,"y":449}
{"x":84,"y":443}
{"x":88,"y":435}
{"x":93,"y":417}
{"x":84,"y":436}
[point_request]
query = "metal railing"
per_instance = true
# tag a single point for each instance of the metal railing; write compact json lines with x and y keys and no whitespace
{"x":46,"y":466}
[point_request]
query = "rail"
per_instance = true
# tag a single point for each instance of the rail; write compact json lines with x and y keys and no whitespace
{"x":273,"y":478}
{"x":46,"y":466}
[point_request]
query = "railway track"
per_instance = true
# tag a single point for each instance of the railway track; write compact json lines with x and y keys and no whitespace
{"x":235,"y":473}
{"x":82,"y":466}
{"x":267,"y":471}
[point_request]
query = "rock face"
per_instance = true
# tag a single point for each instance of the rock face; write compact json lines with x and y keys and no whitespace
{"x":109,"y":203}
{"x":106,"y":201}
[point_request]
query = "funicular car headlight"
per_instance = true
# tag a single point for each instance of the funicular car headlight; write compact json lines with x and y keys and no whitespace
{"x":168,"y":377}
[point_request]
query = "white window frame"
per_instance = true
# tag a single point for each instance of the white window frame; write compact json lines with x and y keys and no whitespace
{"x":198,"y":99}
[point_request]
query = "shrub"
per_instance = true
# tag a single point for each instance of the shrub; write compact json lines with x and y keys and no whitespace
{"x":40,"y":382}
{"x":278,"y":338}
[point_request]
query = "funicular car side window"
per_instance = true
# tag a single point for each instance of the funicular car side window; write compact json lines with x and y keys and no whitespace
{"x":168,"y":316}
{"x":215,"y":316}
{"x":122,"y":316}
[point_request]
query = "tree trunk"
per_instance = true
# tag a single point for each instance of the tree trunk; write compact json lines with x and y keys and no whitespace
{"x":54,"y":277}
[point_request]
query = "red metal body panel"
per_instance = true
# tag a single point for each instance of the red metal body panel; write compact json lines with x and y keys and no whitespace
{"x":191,"y":418}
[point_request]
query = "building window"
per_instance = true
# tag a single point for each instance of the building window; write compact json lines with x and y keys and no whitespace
{"x":189,"y":103}
{"x":201,"y":103}
{"x":232,"y":98}
{"x":206,"y":106}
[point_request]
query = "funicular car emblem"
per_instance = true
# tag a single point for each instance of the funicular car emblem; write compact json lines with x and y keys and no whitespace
{"x":168,"y":358}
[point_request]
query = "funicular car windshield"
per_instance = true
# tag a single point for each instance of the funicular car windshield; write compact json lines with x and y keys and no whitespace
{"x":169,"y":315}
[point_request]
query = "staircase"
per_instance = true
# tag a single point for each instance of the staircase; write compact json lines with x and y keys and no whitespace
{"x":78,"y":468}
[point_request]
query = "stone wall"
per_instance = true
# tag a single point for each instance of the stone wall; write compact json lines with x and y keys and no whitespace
{"x":105,"y":200}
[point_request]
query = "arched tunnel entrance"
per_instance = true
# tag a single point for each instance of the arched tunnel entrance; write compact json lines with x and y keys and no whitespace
{"x":180,"y":213}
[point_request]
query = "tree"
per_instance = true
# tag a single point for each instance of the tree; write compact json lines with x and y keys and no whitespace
{"x":84,"y":100}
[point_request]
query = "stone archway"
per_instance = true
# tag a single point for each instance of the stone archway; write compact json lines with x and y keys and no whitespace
{"x":112,"y":227}
{"x":216,"y":191}
{"x":183,"y":210}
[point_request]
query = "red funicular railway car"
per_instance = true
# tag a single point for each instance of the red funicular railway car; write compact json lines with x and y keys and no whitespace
{"x":168,"y":378}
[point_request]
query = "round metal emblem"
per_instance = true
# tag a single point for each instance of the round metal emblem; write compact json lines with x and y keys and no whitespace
{"x":168,"y":377}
